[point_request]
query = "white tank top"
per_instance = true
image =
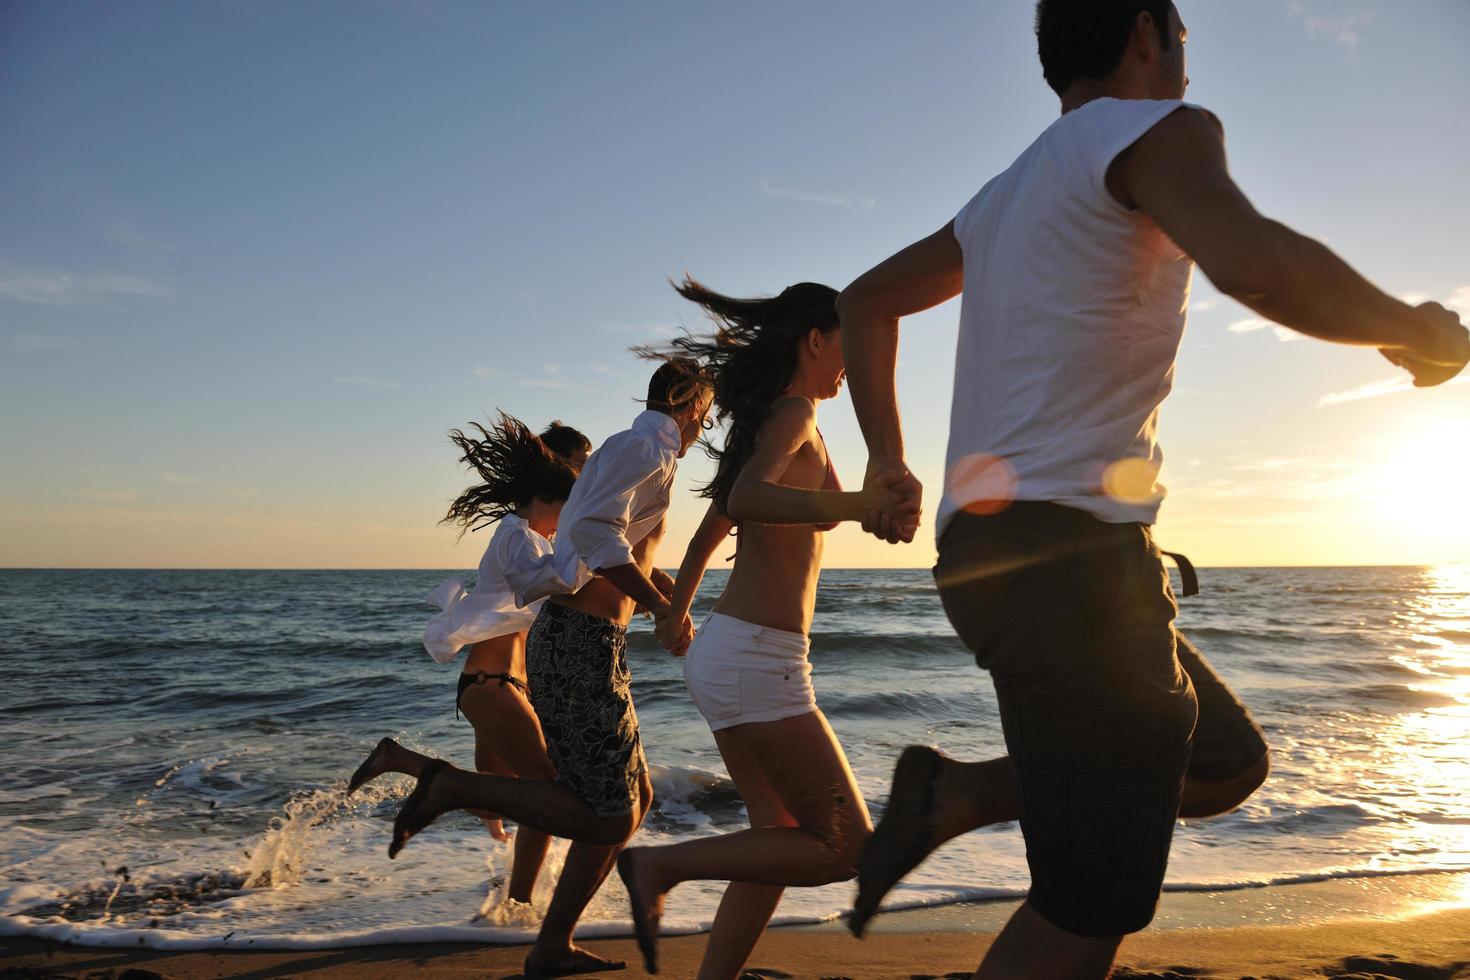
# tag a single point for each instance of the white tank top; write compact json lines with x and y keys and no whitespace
{"x":1072,"y":314}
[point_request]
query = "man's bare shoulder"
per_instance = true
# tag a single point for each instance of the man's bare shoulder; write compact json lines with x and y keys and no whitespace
{"x":1186,"y":139}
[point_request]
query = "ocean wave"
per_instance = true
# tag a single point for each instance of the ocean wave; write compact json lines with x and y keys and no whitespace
{"x":1399,"y":696}
{"x":898,"y":704}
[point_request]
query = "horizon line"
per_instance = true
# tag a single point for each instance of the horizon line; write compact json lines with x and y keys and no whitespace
{"x":437,"y":568}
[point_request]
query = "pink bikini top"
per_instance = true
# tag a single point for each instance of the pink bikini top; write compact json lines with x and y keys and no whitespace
{"x":831,"y":482}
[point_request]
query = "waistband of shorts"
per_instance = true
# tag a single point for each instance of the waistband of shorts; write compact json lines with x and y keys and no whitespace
{"x":775,"y":640}
{"x":556,"y":610}
{"x":1045,"y":518}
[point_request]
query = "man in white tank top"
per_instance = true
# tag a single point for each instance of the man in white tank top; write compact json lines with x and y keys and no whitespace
{"x":1075,"y":266}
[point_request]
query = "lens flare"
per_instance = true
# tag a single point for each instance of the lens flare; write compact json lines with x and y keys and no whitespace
{"x":1131,"y":481}
{"x":984,"y":484}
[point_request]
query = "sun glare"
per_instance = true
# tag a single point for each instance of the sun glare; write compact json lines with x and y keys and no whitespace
{"x":1419,"y":488}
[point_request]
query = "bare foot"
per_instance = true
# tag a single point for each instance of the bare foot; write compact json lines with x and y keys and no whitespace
{"x":646,"y":897}
{"x":905,"y":836}
{"x":496,"y":828}
{"x":373,"y":766}
{"x":569,"y":962}
{"x":422,"y":807}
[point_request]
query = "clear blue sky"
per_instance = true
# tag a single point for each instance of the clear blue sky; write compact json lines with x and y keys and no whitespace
{"x":258,"y":257}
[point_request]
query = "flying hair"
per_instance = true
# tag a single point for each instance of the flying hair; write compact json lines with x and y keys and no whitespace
{"x":749,"y":362}
{"x":514,"y":465}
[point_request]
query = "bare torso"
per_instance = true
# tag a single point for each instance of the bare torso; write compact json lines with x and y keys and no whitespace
{"x":604,"y":600}
{"x":498,"y":655}
{"x":774,"y":582}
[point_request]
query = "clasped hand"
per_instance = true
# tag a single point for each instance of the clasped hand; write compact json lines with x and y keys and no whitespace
{"x":894,"y":499}
{"x":673,"y":634}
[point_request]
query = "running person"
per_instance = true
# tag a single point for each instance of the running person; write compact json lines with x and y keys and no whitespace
{"x":747,"y":671}
{"x":1075,"y":266}
{"x":576,"y":656}
{"x":526,"y":480}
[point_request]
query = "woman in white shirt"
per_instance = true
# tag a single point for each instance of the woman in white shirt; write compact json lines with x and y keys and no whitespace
{"x":772,"y":360}
{"x":526,"y":480}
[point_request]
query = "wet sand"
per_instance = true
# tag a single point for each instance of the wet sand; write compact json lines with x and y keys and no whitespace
{"x":1416,"y":928}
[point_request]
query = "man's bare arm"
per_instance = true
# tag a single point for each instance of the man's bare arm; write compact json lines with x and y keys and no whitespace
{"x":1176,"y":173}
{"x":662,"y":581}
{"x":925,"y":274}
{"x":635,"y":585}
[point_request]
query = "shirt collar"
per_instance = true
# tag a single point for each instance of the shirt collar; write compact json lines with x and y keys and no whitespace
{"x":660,"y":427}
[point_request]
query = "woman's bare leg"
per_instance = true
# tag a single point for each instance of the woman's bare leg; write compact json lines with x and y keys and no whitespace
{"x":808,"y":773}
{"x":508,"y":742}
{"x":745,"y":909}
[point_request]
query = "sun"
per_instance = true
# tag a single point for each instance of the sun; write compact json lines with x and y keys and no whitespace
{"x":1421,"y":488}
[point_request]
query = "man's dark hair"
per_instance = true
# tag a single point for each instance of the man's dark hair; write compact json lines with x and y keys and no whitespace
{"x":1086,"y":38}
{"x":564,"y":440}
{"x":677,"y":382}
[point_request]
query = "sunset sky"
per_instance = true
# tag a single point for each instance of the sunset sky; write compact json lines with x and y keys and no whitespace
{"x":257,"y":258}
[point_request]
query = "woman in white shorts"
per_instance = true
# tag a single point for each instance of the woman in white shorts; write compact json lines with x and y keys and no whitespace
{"x":772,"y":360}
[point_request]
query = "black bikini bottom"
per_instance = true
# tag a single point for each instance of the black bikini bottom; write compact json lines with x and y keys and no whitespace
{"x":480,"y":677}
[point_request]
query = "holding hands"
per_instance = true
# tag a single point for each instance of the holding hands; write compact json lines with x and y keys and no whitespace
{"x":673,"y":632}
{"x":893,"y":499}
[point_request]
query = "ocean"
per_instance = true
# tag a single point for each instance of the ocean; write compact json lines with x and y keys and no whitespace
{"x":177,"y":744}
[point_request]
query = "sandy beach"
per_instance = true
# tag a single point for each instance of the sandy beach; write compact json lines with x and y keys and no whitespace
{"x":1406,"y":928}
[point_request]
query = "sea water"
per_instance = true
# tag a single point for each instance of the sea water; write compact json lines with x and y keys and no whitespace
{"x":176,"y":745}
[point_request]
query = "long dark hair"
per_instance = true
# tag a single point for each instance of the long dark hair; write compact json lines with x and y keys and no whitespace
{"x":515,"y":466}
{"x":751,"y":360}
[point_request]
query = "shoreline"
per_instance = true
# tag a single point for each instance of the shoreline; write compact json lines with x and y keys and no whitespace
{"x":1434,"y":946}
{"x":1397,"y":926}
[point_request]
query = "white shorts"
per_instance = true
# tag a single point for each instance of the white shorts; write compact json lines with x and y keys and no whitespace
{"x":738,"y":672}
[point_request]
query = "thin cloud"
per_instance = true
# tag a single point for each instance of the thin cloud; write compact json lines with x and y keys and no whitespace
{"x":487,"y":372}
{"x":1277,"y":478}
{"x":1249,"y":325}
{"x":1252,"y":324}
{"x":1377,"y":389}
{"x":1342,"y":28}
{"x":65,"y":288}
{"x":656,"y":330}
{"x":854,"y":202}
{"x":1459,"y":301}
{"x":371,"y":384}
{"x":1205,"y":305}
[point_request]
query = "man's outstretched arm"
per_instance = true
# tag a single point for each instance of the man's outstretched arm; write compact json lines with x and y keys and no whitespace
{"x":925,"y":274}
{"x":1176,"y":173}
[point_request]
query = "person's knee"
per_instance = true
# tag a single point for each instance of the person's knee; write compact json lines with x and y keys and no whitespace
{"x":844,"y":843}
{"x":611,"y":831}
